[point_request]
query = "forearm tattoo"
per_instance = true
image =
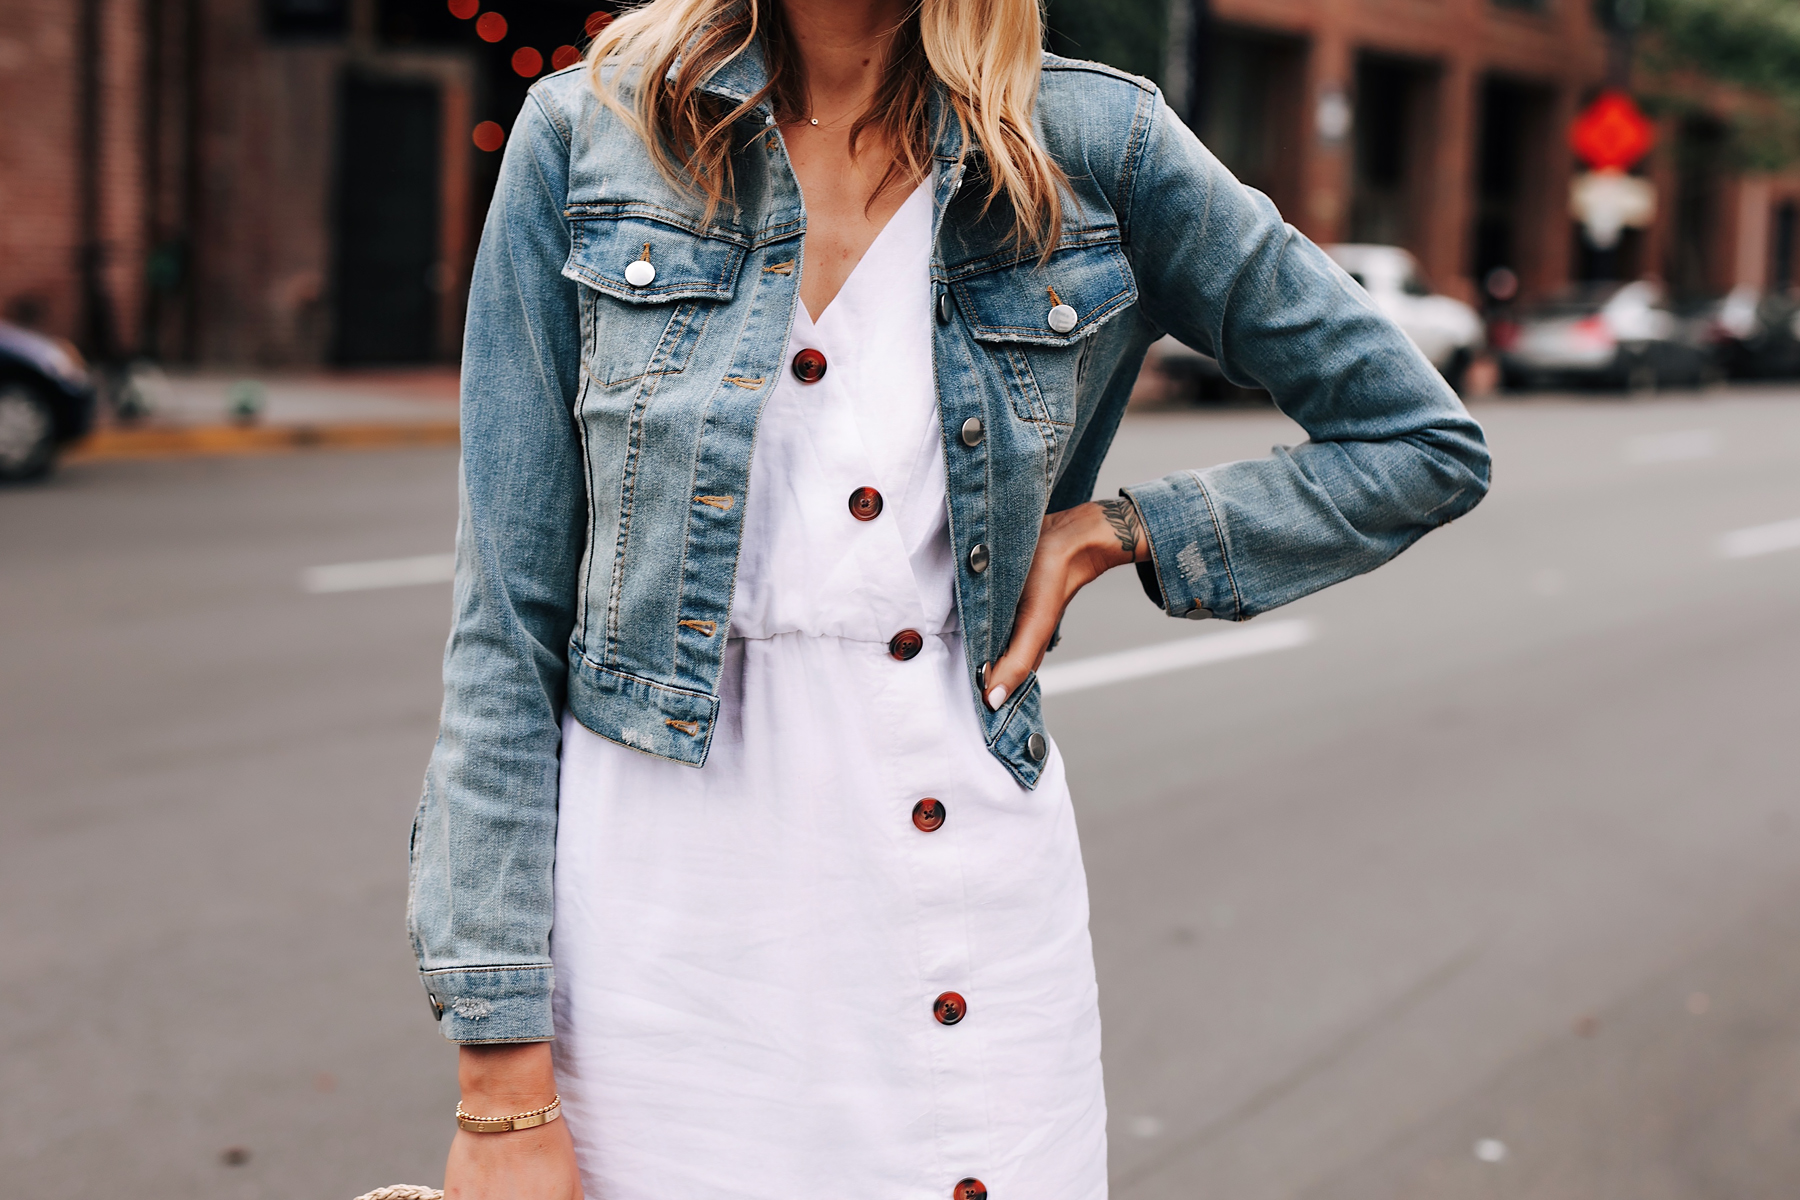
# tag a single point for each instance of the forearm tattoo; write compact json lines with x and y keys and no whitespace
{"x":1122,"y":515}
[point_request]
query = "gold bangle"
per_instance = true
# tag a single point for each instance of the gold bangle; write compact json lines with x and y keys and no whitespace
{"x":524,"y":1120}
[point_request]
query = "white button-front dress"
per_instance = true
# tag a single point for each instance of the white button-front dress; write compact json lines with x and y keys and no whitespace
{"x":748,"y":955}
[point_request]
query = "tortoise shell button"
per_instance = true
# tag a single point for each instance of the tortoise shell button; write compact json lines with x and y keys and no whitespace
{"x":969,"y":1189}
{"x":865,"y":504}
{"x":949,"y":1008}
{"x":906,"y":644}
{"x":928,"y":815}
{"x":809,"y":366}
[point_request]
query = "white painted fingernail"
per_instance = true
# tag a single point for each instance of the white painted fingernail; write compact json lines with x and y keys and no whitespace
{"x":997,"y":697}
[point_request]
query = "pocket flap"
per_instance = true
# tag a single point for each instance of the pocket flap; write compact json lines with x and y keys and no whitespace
{"x":1013,"y":302}
{"x":689,"y":265}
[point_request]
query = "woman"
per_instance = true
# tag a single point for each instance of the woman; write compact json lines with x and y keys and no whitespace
{"x":770,"y":509}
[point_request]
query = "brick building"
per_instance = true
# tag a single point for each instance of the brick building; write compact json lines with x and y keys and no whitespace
{"x":296,"y":182}
{"x":71,"y":180}
{"x":257,"y":181}
{"x":1432,"y":124}
{"x":1441,"y":125}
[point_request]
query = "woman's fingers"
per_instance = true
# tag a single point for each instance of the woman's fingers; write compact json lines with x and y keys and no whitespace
{"x":1049,"y":586}
{"x":1040,"y":608}
{"x":1074,"y":547}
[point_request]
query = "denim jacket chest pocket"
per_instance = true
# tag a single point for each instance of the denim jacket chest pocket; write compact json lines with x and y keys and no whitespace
{"x":640,"y":323}
{"x":1037,"y":320}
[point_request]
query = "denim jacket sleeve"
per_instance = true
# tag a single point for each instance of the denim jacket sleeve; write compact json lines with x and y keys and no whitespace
{"x":1391,"y":453}
{"x":483,"y":843}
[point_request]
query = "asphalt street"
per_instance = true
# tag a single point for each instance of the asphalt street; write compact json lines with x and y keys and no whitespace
{"x":1475,"y":878}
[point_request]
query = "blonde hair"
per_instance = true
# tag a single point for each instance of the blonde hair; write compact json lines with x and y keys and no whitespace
{"x":986,"y":53}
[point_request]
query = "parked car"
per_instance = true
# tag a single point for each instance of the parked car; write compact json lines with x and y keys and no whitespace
{"x":1619,"y":335}
{"x":1758,"y":333}
{"x":1447,"y":330}
{"x":46,"y":400}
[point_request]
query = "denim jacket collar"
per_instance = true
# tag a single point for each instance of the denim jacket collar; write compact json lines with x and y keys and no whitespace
{"x":741,"y":77}
{"x":746,"y":73}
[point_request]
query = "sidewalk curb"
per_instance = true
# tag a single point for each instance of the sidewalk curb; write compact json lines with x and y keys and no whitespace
{"x":212,"y":441}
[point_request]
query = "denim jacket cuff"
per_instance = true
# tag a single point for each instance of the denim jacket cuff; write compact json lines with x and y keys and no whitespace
{"x":1187,"y":549}
{"x":492,"y":1004}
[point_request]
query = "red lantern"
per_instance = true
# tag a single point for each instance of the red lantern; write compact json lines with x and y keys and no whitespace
{"x":1611,"y":134}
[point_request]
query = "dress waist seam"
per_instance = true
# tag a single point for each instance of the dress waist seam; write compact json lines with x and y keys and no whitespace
{"x":952,"y":631}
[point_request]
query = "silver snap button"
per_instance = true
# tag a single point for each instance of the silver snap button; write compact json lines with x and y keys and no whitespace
{"x":1036,"y":747}
{"x":1062,"y":318}
{"x":972,"y":432}
{"x":978,"y":558}
{"x":943,"y":307}
{"x":1198,"y":613}
{"x":640,"y":273}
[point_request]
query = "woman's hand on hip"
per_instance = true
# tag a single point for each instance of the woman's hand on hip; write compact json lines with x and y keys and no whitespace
{"x":525,"y":1164}
{"x":1075,"y":547}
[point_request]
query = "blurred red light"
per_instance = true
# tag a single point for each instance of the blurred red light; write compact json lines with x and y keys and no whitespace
{"x":491,"y":27}
{"x":489,"y":136}
{"x":1611,"y":134}
{"x":527,"y":61}
{"x":1593,"y":329}
{"x":597,"y":21}
{"x":462,"y":10}
{"x":1503,"y":335}
{"x":564,"y":56}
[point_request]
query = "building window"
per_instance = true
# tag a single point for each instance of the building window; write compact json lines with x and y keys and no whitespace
{"x":1250,"y":108}
{"x":306,"y":18}
{"x":1781,"y":245}
{"x":1695,"y":262}
{"x":1396,"y":101}
{"x":1516,"y":138}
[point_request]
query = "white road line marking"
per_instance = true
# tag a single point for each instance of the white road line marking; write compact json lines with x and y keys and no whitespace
{"x":1679,"y":446}
{"x":1490,"y":1150}
{"x":1200,"y":651}
{"x":381,"y":573}
{"x":1761,"y":539}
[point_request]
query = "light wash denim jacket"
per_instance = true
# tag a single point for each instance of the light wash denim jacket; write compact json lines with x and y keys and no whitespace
{"x":608,"y":430}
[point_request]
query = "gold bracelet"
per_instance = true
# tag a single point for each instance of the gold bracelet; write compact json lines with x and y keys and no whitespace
{"x":524,"y":1120}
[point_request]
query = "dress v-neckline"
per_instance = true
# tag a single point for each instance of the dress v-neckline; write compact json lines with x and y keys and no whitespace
{"x":814,"y":322}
